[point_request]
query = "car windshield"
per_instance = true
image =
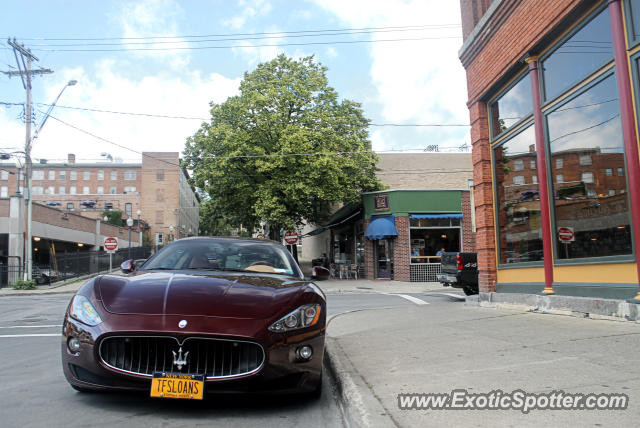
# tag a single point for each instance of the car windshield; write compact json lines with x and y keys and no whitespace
{"x":226,"y":255}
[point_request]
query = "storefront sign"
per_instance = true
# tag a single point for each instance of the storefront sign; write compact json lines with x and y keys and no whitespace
{"x":381,"y":202}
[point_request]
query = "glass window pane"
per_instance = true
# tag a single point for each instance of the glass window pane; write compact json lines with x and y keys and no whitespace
{"x":633,"y":20}
{"x":590,"y":126}
{"x":512,"y":107}
{"x":579,"y":56}
{"x":518,"y":204}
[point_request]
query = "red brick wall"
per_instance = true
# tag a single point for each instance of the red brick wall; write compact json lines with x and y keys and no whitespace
{"x":472,"y":11}
{"x":468,"y":237}
{"x":402,"y":251}
{"x":510,"y":40}
{"x":369,"y":269}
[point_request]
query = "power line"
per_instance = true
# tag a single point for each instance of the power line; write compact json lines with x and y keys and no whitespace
{"x":276,"y":155}
{"x":178,"y":40}
{"x":335,"y":42}
{"x":249,"y":34}
{"x":163,"y":116}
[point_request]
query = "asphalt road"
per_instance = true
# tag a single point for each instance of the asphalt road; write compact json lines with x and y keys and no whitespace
{"x":35,"y":393}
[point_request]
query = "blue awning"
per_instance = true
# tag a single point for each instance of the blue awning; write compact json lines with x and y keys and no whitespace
{"x":441,"y":215}
{"x":381,"y":227}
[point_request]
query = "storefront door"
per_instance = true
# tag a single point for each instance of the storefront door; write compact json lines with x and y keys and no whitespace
{"x":384,"y":258}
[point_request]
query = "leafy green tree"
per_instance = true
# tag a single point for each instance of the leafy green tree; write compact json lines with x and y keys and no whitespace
{"x":284,"y":150}
{"x":114,"y":217}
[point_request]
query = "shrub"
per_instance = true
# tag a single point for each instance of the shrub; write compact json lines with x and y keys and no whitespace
{"x":21,"y":284}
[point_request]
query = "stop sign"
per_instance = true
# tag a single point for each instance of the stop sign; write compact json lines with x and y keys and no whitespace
{"x":110,"y":243}
{"x":565,"y":234}
{"x":291,"y":238}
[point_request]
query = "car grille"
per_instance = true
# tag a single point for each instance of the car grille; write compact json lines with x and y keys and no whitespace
{"x":213,"y":358}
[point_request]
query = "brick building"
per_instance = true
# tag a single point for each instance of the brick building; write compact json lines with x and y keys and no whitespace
{"x":426,"y":206}
{"x":552,"y":92}
{"x":156,"y":191}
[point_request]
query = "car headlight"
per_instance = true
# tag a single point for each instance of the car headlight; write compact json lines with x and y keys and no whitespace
{"x":304,"y":316}
{"x":83,"y":311}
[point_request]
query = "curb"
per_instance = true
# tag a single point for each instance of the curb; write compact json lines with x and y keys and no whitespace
{"x":581,"y":307}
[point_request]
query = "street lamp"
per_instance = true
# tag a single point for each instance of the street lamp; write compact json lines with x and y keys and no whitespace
{"x":129,"y":223}
{"x":27,"y":153}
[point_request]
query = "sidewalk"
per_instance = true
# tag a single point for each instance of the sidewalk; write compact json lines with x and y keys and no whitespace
{"x":335,"y":286}
{"x":60,"y":287}
{"x":377,"y":354}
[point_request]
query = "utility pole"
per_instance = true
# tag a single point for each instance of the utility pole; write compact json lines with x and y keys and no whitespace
{"x":23,"y":59}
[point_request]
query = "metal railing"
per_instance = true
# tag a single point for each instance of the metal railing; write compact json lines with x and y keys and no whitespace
{"x":69,"y":265}
{"x":425,"y":272}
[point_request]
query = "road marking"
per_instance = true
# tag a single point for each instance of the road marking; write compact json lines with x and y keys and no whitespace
{"x":454,"y":295}
{"x":34,"y":326}
{"x":30,"y":335}
{"x":412,"y":299}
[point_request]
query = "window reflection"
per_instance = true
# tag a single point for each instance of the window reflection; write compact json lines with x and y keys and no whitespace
{"x":579,"y":56}
{"x":512,"y":107}
{"x":518,"y":200}
{"x":590,"y":201}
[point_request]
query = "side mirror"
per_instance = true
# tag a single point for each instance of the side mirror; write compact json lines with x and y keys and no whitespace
{"x":128,"y":266}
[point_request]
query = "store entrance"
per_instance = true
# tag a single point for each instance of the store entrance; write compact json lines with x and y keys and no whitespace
{"x":384,"y":258}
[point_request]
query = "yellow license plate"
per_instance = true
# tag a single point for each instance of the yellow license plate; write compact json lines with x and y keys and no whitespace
{"x":177,"y":385}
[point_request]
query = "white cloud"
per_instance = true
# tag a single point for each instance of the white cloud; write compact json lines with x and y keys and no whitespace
{"x":157,"y":19}
{"x":185,"y":95}
{"x":249,"y":10}
{"x":331,"y":52}
{"x":416,"y":81}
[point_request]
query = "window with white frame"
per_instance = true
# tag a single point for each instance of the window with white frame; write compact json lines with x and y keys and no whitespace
{"x":4,"y":175}
{"x":51,"y":190}
{"x":532,"y":164}
{"x":86,"y":190}
{"x":559,"y":178}
{"x":113,"y":190}
{"x":534,"y":179}
{"x":100,"y":175}
{"x":37,"y":190}
{"x":62,"y":190}
{"x":73,"y":175}
{"x":518,"y":165}
{"x":129,"y":189}
{"x":100,"y":190}
{"x":72,"y":190}
{"x":62,"y":175}
{"x":608,"y":172}
{"x":585,"y":160}
{"x":559,"y":163}
{"x":113,"y":175}
{"x":37,"y":174}
{"x":620,"y":172}
{"x":587,"y":177}
{"x":4,"y":191}
{"x":518,"y":180}
{"x":130,"y":175}
{"x":86,"y":175}
{"x":52,"y":175}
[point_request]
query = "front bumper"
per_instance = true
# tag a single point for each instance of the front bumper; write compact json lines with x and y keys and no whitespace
{"x":282,"y":370}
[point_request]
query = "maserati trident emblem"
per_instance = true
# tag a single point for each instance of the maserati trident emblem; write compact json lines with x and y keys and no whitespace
{"x":178,"y":359}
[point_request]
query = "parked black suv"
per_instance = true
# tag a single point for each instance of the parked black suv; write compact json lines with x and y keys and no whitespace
{"x":460,"y":270}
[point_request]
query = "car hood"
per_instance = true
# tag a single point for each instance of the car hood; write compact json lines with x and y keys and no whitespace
{"x":219,"y":295}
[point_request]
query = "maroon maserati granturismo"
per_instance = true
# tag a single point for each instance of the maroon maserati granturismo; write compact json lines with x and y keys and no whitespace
{"x":203,"y":315}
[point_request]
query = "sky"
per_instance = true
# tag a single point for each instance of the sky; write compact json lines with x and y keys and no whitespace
{"x":399,"y":59}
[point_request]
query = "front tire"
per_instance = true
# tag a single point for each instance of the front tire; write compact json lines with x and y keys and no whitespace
{"x":469,"y":290}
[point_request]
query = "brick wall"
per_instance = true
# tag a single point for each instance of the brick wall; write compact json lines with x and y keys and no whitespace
{"x":468,"y":237}
{"x":472,"y":11}
{"x":506,"y":40}
{"x":369,"y":267}
{"x":402,"y":251}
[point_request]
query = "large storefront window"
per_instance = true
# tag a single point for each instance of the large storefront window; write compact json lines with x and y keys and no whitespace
{"x":592,"y":216}
{"x":511,"y":107}
{"x":518,"y":199}
{"x":632,"y":13}
{"x":579,"y":56}
{"x":429,"y":235}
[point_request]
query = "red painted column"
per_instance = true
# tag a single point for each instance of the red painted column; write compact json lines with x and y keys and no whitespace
{"x":627,"y":117}
{"x":543,"y":184}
